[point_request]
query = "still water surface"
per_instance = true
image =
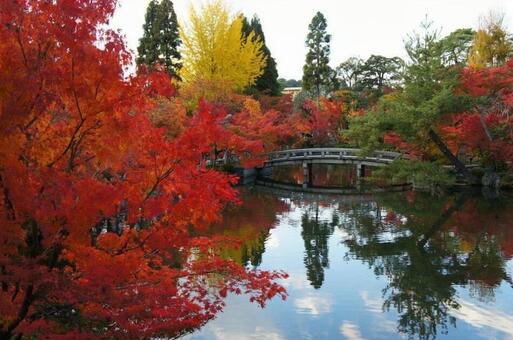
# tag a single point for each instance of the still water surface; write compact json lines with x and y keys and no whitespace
{"x":399,"y":265}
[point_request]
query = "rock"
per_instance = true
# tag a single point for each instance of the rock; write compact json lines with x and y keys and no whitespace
{"x":491,"y":179}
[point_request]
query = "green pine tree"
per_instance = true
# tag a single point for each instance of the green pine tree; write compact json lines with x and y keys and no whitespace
{"x":161,"y":40}
{"x":268,"y":82}
{"x":317,"y":74}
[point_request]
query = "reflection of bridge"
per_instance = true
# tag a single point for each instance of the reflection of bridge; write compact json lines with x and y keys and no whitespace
{"x":307,"y":157}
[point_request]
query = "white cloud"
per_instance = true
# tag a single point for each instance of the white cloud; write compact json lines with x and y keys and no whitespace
{"x":227,"y":334}
{"x":375,"y":305}
{"x":259,"y":333}
{"x":350,"y":330}
{"x":273,"y":241}
{"x":313,"y":305}
{"x":297,"y":281}
{"x":480,"y":317}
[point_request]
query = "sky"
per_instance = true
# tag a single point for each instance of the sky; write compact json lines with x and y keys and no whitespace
{"x":358,"y":28}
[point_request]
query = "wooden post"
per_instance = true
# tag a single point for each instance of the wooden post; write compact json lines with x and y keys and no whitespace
{"x":360,"y":174}
{"x":307,"y":175}
{"x":360,"y":171}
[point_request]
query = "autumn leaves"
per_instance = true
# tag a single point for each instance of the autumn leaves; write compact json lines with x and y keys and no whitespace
{"x":79,"y":145}
{"x":216,"y":51}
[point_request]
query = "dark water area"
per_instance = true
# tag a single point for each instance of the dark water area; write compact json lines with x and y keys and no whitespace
{"x":384,"y":266}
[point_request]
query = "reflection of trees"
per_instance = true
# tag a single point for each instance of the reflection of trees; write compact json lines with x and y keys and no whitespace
{"x":316,"y":234}
{"x":323,"y":175}
{"x":486,"y":268}
{"x":251,"y":223}
{"x":423,"y":258}
{"x":252,"y":250}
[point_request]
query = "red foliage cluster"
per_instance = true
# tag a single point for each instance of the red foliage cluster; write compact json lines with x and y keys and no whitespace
{"x":77,"y":151}
{"x":488,"y":129}
{"x":323,"y":122}
{"x":273,"y":127}
{"x":273,"y":121}
{"x":393,"y":139}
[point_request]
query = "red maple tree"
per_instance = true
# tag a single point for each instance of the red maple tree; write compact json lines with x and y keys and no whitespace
{"x":487,"y":129}
{"x":99,"y":208}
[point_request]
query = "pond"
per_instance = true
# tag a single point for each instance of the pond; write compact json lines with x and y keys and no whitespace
{"x":384,"y":266}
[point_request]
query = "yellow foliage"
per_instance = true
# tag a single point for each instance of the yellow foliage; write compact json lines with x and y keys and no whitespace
{"x":215,"y":51}
{"x":252,"y":106}
{"x":491,"y":45}
{"x":467,"y":246}
{"x":214,"y":92}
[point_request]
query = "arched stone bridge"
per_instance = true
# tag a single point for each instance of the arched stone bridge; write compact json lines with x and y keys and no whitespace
{"x":307,"y":157}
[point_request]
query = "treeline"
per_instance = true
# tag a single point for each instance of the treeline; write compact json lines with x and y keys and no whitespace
{"x":447,"y":104}
{"x":421,"y":106}
{"x":249,"y":68}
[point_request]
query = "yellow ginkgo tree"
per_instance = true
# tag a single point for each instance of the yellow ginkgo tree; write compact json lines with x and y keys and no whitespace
{"x":216,"y":54}
{"x":491,"y":46}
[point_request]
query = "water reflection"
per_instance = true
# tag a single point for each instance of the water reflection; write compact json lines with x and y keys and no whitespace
{"x":323,"y":175}
{"x":315,"y":234}
{"x":251,"y":223}
{"x":440,"y":262}
{"x":425,"y":248}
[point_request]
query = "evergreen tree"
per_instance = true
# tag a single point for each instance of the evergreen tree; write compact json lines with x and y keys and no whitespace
{"x":268,"y":82}
{"x":317,"y":74}
{"x":429,"y":96}
{"x":160,"y":42}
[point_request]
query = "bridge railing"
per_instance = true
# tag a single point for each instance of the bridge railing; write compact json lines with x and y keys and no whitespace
{"x":332,"y":153}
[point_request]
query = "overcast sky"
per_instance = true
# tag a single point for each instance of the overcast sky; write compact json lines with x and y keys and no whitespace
{"x":358,"y":28}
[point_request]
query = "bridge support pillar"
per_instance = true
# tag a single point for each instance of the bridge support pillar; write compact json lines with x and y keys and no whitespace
{"x":307,"y":175}
{"x":360,"y":171}
{"x":360,"y":174}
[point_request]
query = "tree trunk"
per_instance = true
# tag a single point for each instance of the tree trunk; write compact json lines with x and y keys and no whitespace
{"x":460,"y":167}
{"x":487,"y":131}
{"x":444,"y":217}
{"x":22,"y":314}
{"x":318,"y":95}
{"x":9,"y":211}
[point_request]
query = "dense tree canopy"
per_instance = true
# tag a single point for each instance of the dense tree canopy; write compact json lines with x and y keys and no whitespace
{"x":374,"y":74}
{"x":160,"y":42}
{"x":379,"y":72}
{"x":350,"y":72}
{"x":409,"y":119}
{"x":267,"y":83}
{"x":217,"y":53}
{"x":289,"y":82}
{"x":492,"y":45}
{"x":98,"y":207}
{"x":456,"y":46}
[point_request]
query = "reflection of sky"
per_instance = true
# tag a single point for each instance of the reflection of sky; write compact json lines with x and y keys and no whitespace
{"x":350,"y":330}
{"x":349,"y":303}
{"x":485,"y":318}
{"x":313,"y":304}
